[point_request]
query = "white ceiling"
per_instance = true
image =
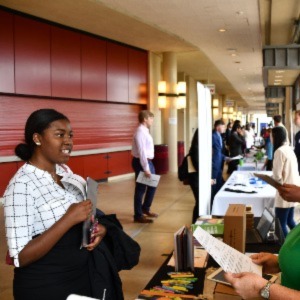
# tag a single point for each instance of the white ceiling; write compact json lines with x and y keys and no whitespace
{"x":188,"y":27}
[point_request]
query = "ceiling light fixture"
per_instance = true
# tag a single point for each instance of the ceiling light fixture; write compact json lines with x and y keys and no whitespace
{"x":279,"y":71}
{"x":277,"y":83}
{"x":240,"y":69}
{"x":277,"y":80}
{"x":222,"y":30}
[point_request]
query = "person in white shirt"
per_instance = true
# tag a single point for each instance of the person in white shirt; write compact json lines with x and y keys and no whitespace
{"x":285,"y":170}
{"x":249,"y":138}
{"x":44,"y":215}
{"x":143,"y":153}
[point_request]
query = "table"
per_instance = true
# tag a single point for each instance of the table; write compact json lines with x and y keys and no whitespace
{"x":264,"y":197}
{"x":200,"y":272}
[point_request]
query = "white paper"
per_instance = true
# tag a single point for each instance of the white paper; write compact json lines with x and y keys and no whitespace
{"x":236,"y":157}
{"x":229,"y":259}
{"x":151,"y":181}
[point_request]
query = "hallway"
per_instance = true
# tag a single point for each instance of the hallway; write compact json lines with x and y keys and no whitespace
{"x":173,"y":201}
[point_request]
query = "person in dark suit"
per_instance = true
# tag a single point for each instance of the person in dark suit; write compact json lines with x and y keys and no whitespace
{"x":236,"y":145}
{"x":218,"y":157}
{"x":297,"y":138}
{"x":194,"y":177}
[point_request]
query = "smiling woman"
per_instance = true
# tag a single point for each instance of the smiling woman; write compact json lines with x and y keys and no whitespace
{"x":44,"y":214}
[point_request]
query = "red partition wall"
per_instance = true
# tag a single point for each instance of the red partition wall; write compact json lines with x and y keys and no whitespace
{"x":99,"y":85}
{"x":93,"y":61}
{"x":32,"y":57}
{"x":117,"y":72}
{"x":7,"y":84}
{"x":138,"y":77}
{"x":95,"y":125}
{"x":65,"y":63}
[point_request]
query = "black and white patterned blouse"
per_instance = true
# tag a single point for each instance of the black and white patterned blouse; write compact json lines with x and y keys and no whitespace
{"x":33,"y":202}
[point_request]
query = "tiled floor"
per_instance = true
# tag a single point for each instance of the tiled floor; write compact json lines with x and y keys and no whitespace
{"x":173,"y":201}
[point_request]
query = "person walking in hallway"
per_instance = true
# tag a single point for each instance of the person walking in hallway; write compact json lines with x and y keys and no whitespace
{"x":143,"y":153}
{"x":217,"y":158}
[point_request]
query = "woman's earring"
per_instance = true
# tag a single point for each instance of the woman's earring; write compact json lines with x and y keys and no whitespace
{"x":38,"y":143}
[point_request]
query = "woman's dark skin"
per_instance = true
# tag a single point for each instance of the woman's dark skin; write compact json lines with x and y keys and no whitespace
{"x":54,"y":146}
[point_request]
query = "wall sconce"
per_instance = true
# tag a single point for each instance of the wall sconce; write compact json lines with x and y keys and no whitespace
{"x":230,"y":110}
{"x":215,"y":103}
{"x":180,"y":95}
{"x":225,"y":110}
{"x":215,"y":112}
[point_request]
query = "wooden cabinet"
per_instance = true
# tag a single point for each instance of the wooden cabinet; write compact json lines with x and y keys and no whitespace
{"x":7,"y":171}
{"x":76,"y":164}
{"x":93,"y":60}
{"x":32,"y":57}
{"x":7,"y":75}
{"x":65,"y":63}
{"x":95,"y":166}
{"x":119,"y":163}
{"x":117,"y":73}
{"x":138,"y":76}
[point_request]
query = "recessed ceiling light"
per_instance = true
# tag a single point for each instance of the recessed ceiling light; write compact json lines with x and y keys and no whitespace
{"x":278,"y":76}
{"x":233,"y":54}
{"x":278,"y":80}
{"x":279,"y":71}
{"x":222,"y":30}
{"x":240,"y":69}
{"x":277,"y":83}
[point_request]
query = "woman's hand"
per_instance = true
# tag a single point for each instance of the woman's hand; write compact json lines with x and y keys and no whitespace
{"x":290,"y":192}
{"x":97,"y":235}
{"x":268,"y":261}
{"x":247,"y":285}
{"x":79,"y":212}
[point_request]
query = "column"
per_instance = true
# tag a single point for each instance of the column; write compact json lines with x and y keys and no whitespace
{"x":170,"y":113}
{"x":154,"y":78}
{"x":288,"y":112}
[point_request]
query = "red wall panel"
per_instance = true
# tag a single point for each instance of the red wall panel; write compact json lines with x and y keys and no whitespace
{"x":117,"y":73}
{"x":32,"y":57}
{"x":7,"y":81}
{"x":95,"y":166}
{"x":95,"y":125}
{"x":7,"y":171}
{"x":65,"y":63}
{"x":93,"y":60}
{"x":138,"y":75}
{"x":119,"y":163}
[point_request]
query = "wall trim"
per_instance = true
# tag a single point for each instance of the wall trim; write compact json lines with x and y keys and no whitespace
{"x":12,"y":158}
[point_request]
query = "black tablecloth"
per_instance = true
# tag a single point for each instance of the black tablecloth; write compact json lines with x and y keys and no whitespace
{"x":162,"y":272}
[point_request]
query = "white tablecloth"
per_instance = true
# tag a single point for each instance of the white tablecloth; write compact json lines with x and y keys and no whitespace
{"x":250,"y":165}
{"x":264,"y":197}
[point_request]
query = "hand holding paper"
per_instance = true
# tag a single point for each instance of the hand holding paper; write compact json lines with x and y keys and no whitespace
{"x":229,"y":259}
{"x":153,"y":180}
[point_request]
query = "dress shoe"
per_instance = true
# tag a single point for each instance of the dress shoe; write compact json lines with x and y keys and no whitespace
{"x":142,"y":220}
{"x":150,"y":214}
